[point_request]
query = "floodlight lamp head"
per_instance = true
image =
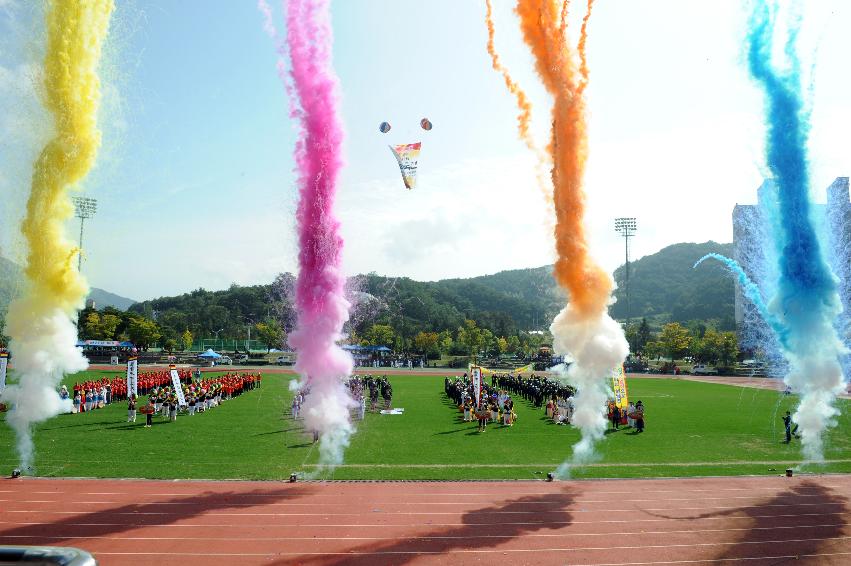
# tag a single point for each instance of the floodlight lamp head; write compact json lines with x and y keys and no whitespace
{"x":85,"y":207}
{"x":626,"y":226}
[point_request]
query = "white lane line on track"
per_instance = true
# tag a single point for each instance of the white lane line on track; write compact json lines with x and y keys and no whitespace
{"x":697,"y":561}
{"x":540,"y":524}
{"x":569,"y":509}
{"x":54,"y":536}
{"x":835,"y":489}
{"x":502,"y":550}
{"x":374,"y":503}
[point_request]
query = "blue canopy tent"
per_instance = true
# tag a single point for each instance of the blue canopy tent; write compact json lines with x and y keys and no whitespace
{"x":210,"y":355}
{"x":366,"y":349}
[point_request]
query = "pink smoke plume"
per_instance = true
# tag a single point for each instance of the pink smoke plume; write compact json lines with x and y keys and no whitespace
{"x":321,"y":305}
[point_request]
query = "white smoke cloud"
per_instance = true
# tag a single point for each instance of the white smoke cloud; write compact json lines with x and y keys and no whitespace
{"x":816,"y":374}
{"x":44,"y":348}
{"x":598,"y":346}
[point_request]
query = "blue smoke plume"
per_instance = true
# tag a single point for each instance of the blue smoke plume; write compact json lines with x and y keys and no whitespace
{"x":806,"y":302}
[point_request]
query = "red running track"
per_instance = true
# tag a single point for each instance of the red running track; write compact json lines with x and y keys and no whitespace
{"x":775,"y":520}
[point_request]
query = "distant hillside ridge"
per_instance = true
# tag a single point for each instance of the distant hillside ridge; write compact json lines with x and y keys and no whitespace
{"x":665,"y":285}
{"x":11,"y":279}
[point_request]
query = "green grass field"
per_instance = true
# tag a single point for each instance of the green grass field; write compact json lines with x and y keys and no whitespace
{"x":692,"y":429}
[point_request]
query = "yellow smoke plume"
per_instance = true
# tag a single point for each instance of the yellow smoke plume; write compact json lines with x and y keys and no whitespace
{"x":40,"y":323}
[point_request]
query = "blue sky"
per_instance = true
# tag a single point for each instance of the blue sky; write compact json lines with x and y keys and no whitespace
{"x":195,"y":182}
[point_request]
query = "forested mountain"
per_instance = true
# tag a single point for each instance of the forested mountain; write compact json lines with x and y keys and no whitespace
{"x":663,"y":287}
{"x":665,"y":284}
{"x":11,"y":280}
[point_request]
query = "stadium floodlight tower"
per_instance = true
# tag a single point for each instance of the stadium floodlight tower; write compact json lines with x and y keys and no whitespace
{"x":626,"y":227}
{"x":85,"y":207}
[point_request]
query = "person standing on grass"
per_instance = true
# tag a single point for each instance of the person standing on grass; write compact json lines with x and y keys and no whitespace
{"x":131,"y":409}
{"x":787,"y":423}
{"x":630,"y":409}
{"x":149,"y":415}
{"x":616,"y":416}
{"x":482,"y":414}
{"x":639,"y":417}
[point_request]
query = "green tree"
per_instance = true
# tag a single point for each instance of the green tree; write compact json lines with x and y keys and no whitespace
{"x":470,"y":338}
{"x":708,"y":348}
{"x":652,"y":350}
{"x":674,"y":339}
{"x":729,"y":349}
{"x":446,"y":342}
{"x":186,"y":340}
{"x":270,"y":333}
{"x":91,"y":327}
{"x":632,"y":338}
{"x":381,"y":335}
{"x":514,"y":344}
{"x":109,"y":324}
{"x":143,"y":332}
{"x":644,"y":335}
{"x":502,"y":345}
{"x":427,"y":343}
{"x":488,"y":341}
{"x":169,"y":345}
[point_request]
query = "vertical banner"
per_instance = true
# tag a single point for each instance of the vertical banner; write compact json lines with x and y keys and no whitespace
{"x":619,"y":387}
{"x":132,"y":376}
{"x":178,"y":388}
{"x":4,"y":360}
{"x":476,"y":373}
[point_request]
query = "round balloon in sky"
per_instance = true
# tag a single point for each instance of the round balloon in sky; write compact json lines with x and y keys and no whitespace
{"x":384,"y":127}
{"x":426,"y":124}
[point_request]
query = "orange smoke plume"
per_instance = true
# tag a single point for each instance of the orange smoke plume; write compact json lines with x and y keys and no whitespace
{"x":588,"y":285}
{"x":523,"y":103}
{"x":525,"y":116}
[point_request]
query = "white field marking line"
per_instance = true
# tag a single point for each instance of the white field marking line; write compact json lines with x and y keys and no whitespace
{"x":471,"y":465}
{"x":518,"y":550}
{"x":396,"y":513}
{"x":432,"y":537}
{"x":425,"y":525}
{"x":375,"y":503}
{"x":592,"y":465}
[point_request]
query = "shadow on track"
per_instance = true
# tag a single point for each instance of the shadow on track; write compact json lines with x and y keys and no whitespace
{"x":804,"y":520}
{"x":481,"y":529}
{"x":150,"y":511}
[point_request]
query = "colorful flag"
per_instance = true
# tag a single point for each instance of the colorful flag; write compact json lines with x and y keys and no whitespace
{"x":407,"y":155}
{"x":619,"y":387}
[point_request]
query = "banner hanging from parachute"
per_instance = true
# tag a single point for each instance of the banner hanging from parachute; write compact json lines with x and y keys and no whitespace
{"x":407,"y":156}
{"x":619,"y":387}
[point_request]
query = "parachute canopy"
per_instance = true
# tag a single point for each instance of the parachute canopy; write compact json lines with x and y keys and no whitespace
{"x":384,"y":127}
{"x":407,"y":155}
{"x":425,"y":123}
